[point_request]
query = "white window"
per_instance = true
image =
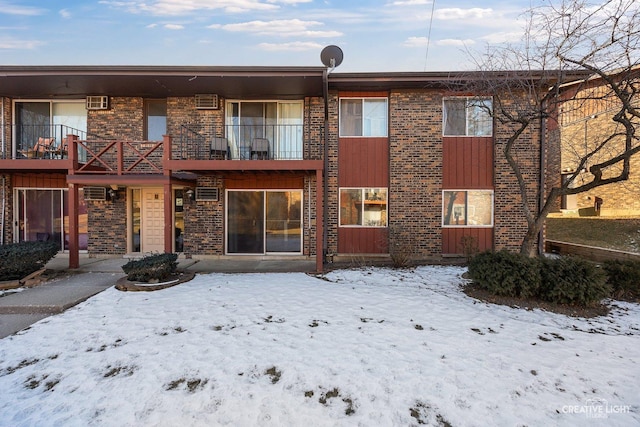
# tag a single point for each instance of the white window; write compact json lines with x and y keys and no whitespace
{"x":363,"y":207}
{"x":463,"y":116}
{"x":280,"y":123}
{"x":467,"y":208}
{"x":363,"y":117}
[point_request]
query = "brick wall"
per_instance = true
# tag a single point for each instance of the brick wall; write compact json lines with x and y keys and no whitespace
{"x":415,"y":192}
{"x":107,"y":225}
{"x":510,"y":222}
{"x":7,"y":192}
{"x":331,"y":226}
{"x":204,"y":222}
{"x":580,"y":137}
{"x":123,"y":120}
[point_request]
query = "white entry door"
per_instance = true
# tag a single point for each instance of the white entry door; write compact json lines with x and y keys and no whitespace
{"x":152,"y":222}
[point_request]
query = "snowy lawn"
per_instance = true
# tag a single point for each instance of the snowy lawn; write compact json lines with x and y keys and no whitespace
{"x":372,"y":347}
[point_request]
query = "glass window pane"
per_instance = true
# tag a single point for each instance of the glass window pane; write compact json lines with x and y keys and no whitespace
{"x":156,"y":120}
{"x":245,"y":221}
{"x":454,"y":117}
{"x":351,"y":117}
{"x":454,"y":208}
{"x":375,"y":117}
{"x":33,"y":120}
{"x":350,"y":206}
{"x":375,"y":207}
{"x":479,"y":120}
{"x":283,"y":222}
{"x":480,"y":207}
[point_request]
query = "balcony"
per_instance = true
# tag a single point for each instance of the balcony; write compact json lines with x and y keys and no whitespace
{"x":62,"y":148}
{"x":243,"y":142}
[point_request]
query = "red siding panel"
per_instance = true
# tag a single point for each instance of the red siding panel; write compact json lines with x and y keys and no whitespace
{"x":451,"y":239}
{"x":467,"y":163}
{"x":363,"y":162}
{"x":355,"y":240}
{"x":263,"y":181}
{"x":41,"y":180}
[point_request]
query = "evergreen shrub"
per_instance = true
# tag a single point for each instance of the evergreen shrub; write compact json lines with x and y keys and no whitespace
{"x":151,"y":268}
{"x":574,"y":281}
{"x":624,"y":279}
{"x":564,"y":280}
{"x":18,"y":260}
{"x":506,"y":273}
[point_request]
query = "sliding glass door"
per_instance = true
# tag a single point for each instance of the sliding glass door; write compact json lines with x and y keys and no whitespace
{"x":43,"y":215}
{"x":264,"y":221}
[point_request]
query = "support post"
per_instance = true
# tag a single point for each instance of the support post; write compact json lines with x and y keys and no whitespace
{"x":319,"y":221}
{"x":74,"y":247}
{"x":168,"y":196}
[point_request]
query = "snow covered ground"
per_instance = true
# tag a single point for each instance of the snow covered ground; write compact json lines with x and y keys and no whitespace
{"x":370,"y":347}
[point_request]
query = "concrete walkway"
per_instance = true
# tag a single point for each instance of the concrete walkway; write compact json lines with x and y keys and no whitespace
{"x":19,"y":310}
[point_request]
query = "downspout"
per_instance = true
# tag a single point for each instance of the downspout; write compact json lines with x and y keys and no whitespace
{"x":4,"y":178}
{"x":325,"y":181}
{"x":543,"y":166}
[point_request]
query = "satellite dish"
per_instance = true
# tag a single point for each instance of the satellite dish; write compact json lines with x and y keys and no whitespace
{"x":331,"y":56}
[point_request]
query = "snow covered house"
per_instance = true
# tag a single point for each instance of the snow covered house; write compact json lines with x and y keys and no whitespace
{"x":290,"y":162}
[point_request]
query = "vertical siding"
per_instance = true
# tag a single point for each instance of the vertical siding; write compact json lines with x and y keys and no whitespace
{"x":263,"y":181}
{"x":467,"y":163}
{"x":364,"y":162}
{"x":362,"y":240}
{"x":451,"y":238}
{"x":40,"y":180}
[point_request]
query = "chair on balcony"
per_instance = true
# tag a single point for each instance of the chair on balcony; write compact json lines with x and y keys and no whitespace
{"x":219,"y":148}
{"x":260,"y":149}
{"x":44,"y":148}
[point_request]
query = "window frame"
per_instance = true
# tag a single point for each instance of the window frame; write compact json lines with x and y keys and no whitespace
{"x":466,"y":209}
{"x":363,"y":199}
{"x":364,"y":99}
{"x":468,"y":100}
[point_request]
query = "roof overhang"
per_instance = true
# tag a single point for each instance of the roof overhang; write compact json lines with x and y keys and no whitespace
{"x":160,"y":81}
{"x":440,"y":80}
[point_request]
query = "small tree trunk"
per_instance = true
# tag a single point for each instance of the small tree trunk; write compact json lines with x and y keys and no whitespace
{"x":529,"y":243}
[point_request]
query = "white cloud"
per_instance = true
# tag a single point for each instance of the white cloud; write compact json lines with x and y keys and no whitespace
{"x":151,"y":26}
{"x":174,"y":26}
{"x":64,"y":13}
{"x":11,"y":9}
{"x":284,"y":28}
{"x":455,"y":42}
{"x":449,"y":14}
{"x":182,"y":7}
{"x":9,"y":43}
{"x":502,"y":37}
{"x":416,"y":42}
{"x":410,"y":2}
{"x":293,"y":46}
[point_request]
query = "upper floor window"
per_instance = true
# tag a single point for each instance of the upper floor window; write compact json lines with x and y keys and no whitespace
{"x":156,"y":117}
{"x":363,"y":116}
{"x":467,"y":117}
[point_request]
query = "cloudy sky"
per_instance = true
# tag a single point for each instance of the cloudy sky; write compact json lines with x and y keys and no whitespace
{"x":375,"y":35}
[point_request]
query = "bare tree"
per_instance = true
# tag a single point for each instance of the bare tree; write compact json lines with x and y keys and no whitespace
{"x":574,"y":56}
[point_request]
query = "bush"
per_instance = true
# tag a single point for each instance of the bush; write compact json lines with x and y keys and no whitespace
{"x":573,"y":281}
{"x":151,"y":268}
{"x":18,"y":260}
{"x":565,"y":280}
{"x":624,"y":279}
{"x":506,"y":273}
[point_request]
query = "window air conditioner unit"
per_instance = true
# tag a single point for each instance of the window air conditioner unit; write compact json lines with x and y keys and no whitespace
{"x":209,"y":194}
{"x":207,"y":102}
{"x":95,"y":193}
{"x":97,"y":102}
